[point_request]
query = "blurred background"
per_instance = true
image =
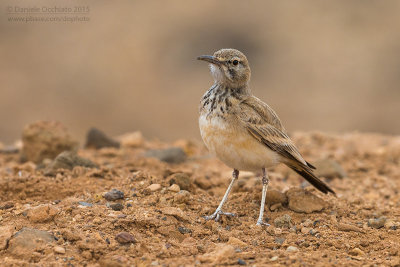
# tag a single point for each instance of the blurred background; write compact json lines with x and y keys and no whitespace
{"x":322,"y":65}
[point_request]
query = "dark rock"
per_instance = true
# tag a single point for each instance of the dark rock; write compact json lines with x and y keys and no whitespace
{"x":125,"y":238}
{"x":114,"y":194}
{"x":329,"y":168}
{"x":169,"y":155}
{"x":184,"y":230}
{"x":117,"y":206}
{"x":304,"y":201}
{"x":68,"y":160}
{"x":181,"y":179}
{"x":27,"y":241}
{"x":45,"y":139}
{"x":275,"y":196}
{"x":97,"y":139}
{"x":241,"y":262}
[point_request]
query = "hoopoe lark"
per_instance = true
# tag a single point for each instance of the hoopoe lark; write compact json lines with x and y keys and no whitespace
{"x":244,"y":132}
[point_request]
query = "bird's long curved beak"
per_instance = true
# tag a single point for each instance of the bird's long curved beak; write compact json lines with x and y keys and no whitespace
{"x":211,"y":59}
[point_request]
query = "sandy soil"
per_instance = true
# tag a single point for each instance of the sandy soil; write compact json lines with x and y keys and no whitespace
{"x":85,"y":223}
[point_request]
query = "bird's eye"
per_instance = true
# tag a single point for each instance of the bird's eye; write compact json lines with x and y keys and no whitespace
{"x":235,"y":62}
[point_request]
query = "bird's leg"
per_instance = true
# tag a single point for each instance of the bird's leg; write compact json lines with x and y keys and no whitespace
{"x":265,"y":182}
{"x":218,"y":212}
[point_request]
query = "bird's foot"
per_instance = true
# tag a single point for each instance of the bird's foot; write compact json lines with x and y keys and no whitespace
{"x":261,"y":223}
{"x":217,"y":214}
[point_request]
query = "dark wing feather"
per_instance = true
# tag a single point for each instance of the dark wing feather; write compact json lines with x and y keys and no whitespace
{"x":264,"y":125}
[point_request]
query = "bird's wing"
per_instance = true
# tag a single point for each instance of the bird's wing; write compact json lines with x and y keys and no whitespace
{"x":264,"y":125}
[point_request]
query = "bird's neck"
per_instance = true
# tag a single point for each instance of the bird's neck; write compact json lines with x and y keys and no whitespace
{"x":230,"y":89}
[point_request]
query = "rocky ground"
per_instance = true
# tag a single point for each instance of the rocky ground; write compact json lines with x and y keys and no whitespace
{"x":134,"y":202}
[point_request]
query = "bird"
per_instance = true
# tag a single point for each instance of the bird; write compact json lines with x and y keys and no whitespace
{"x":244,"y":132}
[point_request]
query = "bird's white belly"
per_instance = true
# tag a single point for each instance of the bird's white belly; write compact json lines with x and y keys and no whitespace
{"x":234,"y":145}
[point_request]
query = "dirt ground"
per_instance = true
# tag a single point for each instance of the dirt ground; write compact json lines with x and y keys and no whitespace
{"x":75,"y":218}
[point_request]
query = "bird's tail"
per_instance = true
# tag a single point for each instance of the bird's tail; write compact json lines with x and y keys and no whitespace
{"x":307,"y":174}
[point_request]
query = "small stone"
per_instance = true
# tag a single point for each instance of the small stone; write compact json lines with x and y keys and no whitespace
{"x":114,"y":194}
{"x":348,"y":228}
{"x":134,"y":139}
{"x":169,"y":155}
{"x":59,"y":250}
{"x":117,"y":206}
{"x":85,"y":204}
{"x":42,"y":213}
{"x":184,"y":230}
{"x":181,"y":179}
{"x":329,"y":168}
{"x":377,"y":223}
{"x":274,"y":258}
{"x":390,"y":224}
{"x":356,"y":252}
{"x":174,"y":188}
{"x":236,"y":242}
{"x":275,"y":196}
{"x":284,"y":221}
{"x":97,"y":139}
{"x":125,"y":238}
{"x":27,"y":241}
{"x":305,"y":230}
{"x":68,"y":160}
{"x":154,"y":187}
{"x":292,"y":249}
{"x":304,"y":201}
{"x":182,"y":196}
{"x":276,"y":206}
{"x":45,"y":139}
{"x":241,"y":262}
{"x":222,"y":254}
{"x":307,"y":223}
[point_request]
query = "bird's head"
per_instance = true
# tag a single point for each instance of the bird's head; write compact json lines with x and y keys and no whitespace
{"x":229,"y":67}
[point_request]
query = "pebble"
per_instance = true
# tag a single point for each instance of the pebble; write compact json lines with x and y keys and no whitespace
{"x":182,"y":196}
{"x":241,"y":262}
{"x":117,"y":206}
{"x":154,"y":187}
{"x":305,"y":230}
{"x":276,"y":206}
{"x":134,"y":139}
{"x":45,"y":139}
{"x":67,"y":160}
{"x":377,"y":223}
{"x":181,"y":179}
{"x":184,"y":230}
{"x":174,"y":188}
{"x":274,"y":258}
{"x":356,"y":252}
{"x":284,"y":221}
{"x":348,"y":228}
{"x":169,"y":155}
{"x":307,"y":223}
{"x":125,"y":238}
{"x":97,"y":139}
{"x":304,"y":201}
{"x":42,"y":213}
{"x":59,"y":250}
{"x":28,"y":240}
{"x":292,"y":249}
{"x":85,"y":204}
{"x":114,"y":194}
{"x":329,"y":168}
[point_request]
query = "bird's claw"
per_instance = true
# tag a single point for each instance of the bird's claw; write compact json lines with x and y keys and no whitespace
{"x":217,"y":215}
